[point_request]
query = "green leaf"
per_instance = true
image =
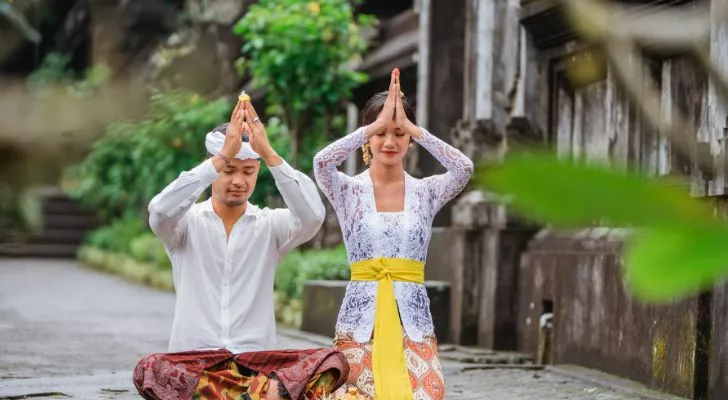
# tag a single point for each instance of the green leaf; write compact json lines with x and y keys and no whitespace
{"x":569,"y":194}
{"x":667,"y":264}
{"x":291,"y":46}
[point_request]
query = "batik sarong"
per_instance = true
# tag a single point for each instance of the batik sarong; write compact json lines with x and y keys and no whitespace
{"x":220,"y":374}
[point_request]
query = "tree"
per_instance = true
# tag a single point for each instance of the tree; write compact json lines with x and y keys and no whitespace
{"x":301,"y":53}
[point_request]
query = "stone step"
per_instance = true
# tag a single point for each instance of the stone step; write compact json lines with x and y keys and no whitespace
{"x":62,"y":221}
{"x":51,"y":236}
{"x":62,"y":205}
{"x":65,"y":225}
{"x":475,"y":355}
{"x":59,"y":236}
{"x":38,"y":250}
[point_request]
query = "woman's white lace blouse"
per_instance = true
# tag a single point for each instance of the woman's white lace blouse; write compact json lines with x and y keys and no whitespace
{"x":371,"y":234}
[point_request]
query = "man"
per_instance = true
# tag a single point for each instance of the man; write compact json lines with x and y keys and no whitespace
{"x":224,"y":252}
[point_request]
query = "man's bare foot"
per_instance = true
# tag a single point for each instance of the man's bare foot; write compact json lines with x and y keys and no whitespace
{"x":273,"y":393}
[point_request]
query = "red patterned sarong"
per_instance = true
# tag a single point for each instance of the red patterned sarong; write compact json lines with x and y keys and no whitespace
{"x":220,"y":374}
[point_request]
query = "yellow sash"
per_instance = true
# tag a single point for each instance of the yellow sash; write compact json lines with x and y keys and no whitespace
{"x":391,"y":378}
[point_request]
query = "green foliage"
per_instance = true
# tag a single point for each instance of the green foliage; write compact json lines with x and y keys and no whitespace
{"x":127,"y":267}
{"x":278,"y":137}
{"x":147,"y":248}
{"x":130,"y":236}
{"x":298,"y":267}
{"x":117,"y":236}
{"x":55,"y":70}
{"x":665,"y":264}
{"x":569,"y":194}
{"x":299,"y":52}
{"x":679,"y":248}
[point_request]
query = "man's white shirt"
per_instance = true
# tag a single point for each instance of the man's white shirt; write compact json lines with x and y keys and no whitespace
{"x":224,"y":286}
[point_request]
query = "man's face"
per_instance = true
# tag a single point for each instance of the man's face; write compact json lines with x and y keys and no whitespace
{"x":235,"y":184}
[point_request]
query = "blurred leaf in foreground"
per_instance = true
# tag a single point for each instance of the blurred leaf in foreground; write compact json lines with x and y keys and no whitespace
{"x":570,"y":194}
{"x":679,"y":248}
{"x":667,"y":264}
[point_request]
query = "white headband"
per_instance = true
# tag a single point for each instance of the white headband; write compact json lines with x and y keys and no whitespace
{"x":215,"y":140}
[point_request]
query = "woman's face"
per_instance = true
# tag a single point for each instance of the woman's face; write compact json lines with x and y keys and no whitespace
{"x":390,"y":146}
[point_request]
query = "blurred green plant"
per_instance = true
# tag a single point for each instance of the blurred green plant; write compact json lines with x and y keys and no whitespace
{"x":266,"y":190}
{"x":128,"y":249}
{"x":117,"y":236}
{"x":130,"y":236}
{"x":302,"y":54}
{"x":147,"y":248}
{"x":299,"y":267}
{"x":678,"y":247}
{"x":55,"y":69}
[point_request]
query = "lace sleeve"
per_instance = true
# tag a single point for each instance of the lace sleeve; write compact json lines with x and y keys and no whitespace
{"x":330,"y":157}
{"x":444,"y":187}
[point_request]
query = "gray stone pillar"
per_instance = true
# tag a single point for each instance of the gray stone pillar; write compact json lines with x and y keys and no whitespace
{"x":440,"y":79}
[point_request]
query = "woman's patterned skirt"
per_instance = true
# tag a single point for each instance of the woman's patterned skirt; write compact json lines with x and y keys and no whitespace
{"x":423,"y":363}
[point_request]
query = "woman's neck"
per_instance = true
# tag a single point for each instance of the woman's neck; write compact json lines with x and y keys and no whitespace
{"x":386,"y":174}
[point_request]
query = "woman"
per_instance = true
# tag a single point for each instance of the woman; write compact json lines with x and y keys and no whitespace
{"x":385,"y":326}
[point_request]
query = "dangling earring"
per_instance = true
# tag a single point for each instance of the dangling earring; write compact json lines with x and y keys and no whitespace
{"x":411,"y":145}
{"x":365,"y":154}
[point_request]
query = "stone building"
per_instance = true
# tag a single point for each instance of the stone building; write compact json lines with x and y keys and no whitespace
{"x":493,"y":75}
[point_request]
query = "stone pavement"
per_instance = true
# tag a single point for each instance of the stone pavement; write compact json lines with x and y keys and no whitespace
{"x":70,"y":332}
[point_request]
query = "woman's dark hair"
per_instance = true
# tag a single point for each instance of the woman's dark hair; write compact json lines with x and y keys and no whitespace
{"x":375,"y":105}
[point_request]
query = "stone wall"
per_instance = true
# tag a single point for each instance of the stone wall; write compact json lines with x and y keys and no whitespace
{"x":576,"y":277}
{"x":322,"y":301}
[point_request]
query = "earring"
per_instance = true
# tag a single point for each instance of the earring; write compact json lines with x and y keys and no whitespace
{"x":365,"y":154}
{"x":411,"y":145}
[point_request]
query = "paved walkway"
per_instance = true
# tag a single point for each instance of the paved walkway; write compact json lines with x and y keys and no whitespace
{"x":69,"y":331}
